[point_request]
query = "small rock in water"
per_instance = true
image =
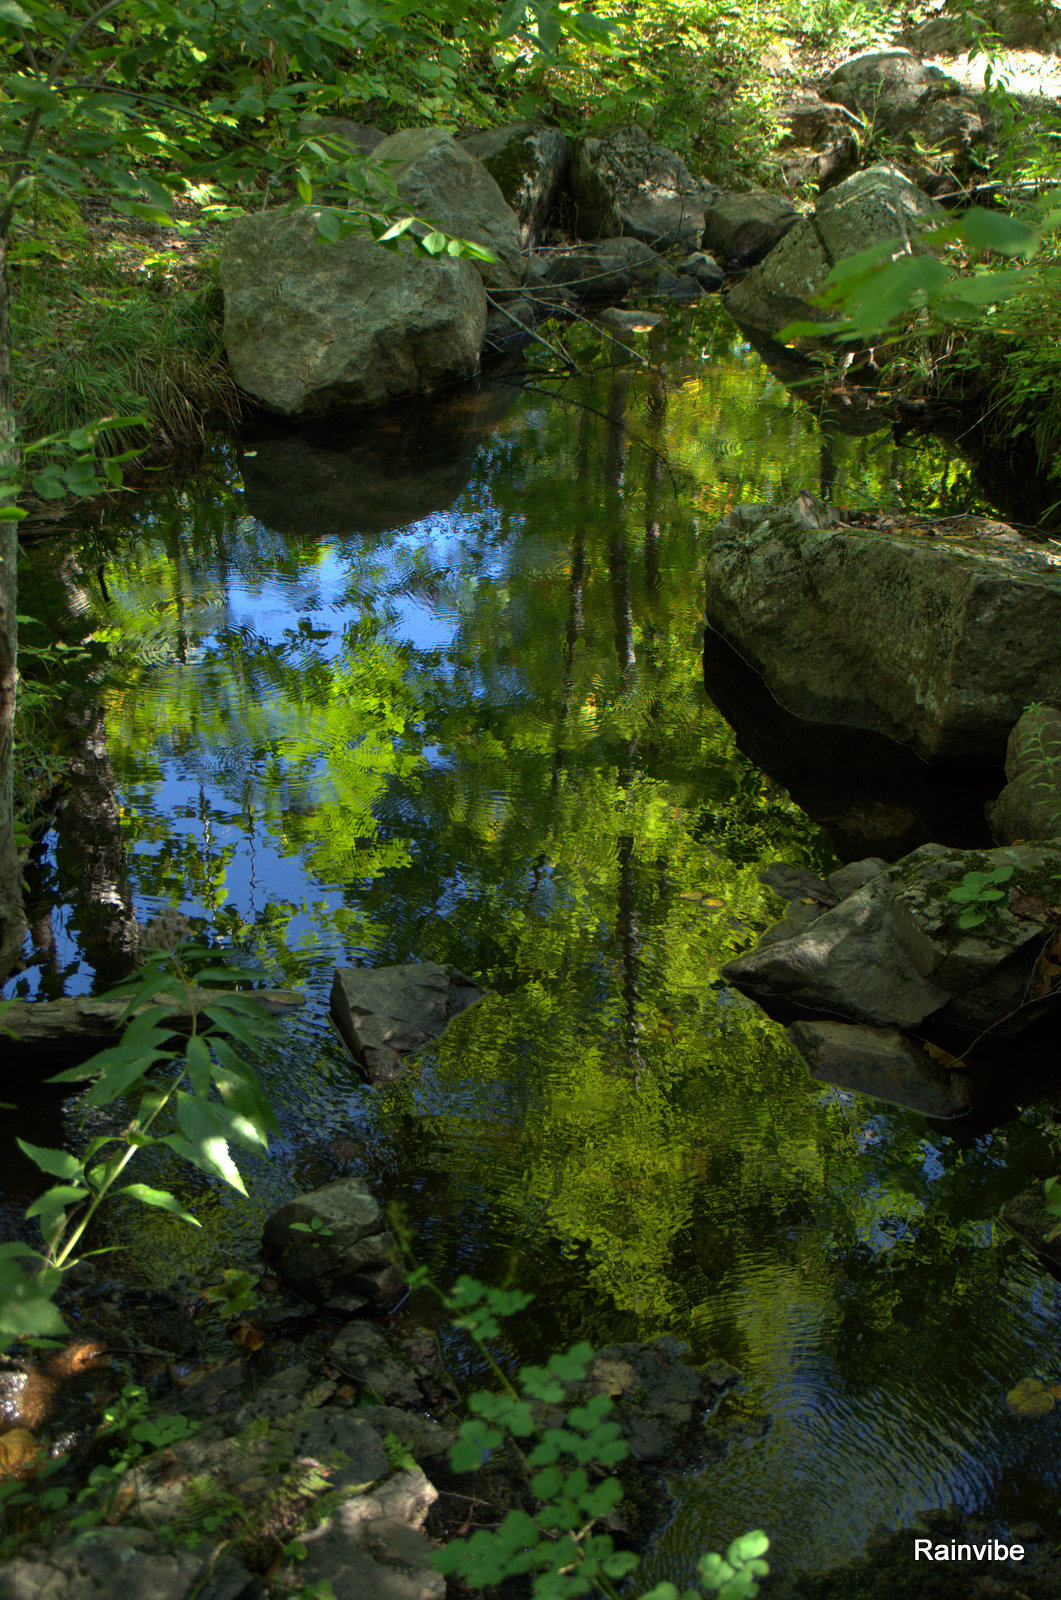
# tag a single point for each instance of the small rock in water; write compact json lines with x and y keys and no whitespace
{"x":333,"y":1247}
{"x":386,"y":1013}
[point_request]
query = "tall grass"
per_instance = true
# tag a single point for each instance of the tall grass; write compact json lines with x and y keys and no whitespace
{"x":93,"y":340}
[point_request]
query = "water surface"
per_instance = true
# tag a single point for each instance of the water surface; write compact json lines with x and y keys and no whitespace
{"x":429,"y":686}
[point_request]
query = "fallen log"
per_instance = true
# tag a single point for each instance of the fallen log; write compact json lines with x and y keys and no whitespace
{"x":52,"y":1035}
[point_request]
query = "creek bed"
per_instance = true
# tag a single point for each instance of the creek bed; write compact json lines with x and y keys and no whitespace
{"x":429,"y":686}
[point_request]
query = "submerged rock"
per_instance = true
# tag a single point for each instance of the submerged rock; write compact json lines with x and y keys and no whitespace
{"x":386,"y":1013}
{"x":870,"y":208}
{"x":333,"y":1247}
{"x":883,"y":1063}
{"x":1029,"y":807}
{"x":936,"y":634}
{"x":313,"y":326}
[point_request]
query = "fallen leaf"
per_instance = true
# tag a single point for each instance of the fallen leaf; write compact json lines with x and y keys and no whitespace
{"x":1031,"y":907}
{"x":123,"y":1501}
{"x":943,"y":1057}
{"x":246,"y":1336}
{"x":18,"y":1448}
{"x":1030,"y":1398}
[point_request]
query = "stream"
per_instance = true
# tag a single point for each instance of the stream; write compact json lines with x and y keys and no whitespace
{"x":430,"y":686}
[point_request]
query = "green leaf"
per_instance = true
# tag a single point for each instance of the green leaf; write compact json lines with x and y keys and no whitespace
{"x":58,"y":1163}
{"x":10,"y":12}
{"x":158,"y":1197}
{"x":995,"y":230}
{"x":200,"y":1065}
{"x":56,"y":1199}
{"x":512,"y":14}
{"x":205,"y":1144}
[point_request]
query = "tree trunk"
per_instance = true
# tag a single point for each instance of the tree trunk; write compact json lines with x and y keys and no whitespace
{"x":12,"y":915}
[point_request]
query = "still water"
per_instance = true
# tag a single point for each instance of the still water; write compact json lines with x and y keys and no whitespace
{"x":429,"y":686}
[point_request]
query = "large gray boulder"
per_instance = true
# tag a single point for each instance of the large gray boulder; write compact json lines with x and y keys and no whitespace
{"x":892,"y":955}
{"x":624,"y":183}
{"x":1009,"y":24}
{"x":333,"y":1247}
{"x":935,"y":634}
{"x":443,"y":183}
{"x":870,"y":208}
{"x":918,"y":105}
{"x":313,"y":327}
{"x":387,"y":1013}
{"x":529,"y":164}
{"x":744,"y":227}
{"x":1029,"y":807}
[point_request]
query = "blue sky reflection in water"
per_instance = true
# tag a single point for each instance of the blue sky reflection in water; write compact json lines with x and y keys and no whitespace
{"x":429,"y":686}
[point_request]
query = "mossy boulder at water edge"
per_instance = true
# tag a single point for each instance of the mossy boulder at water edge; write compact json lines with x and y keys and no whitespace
{"x":935,"y":633}
{"x":871,"y":208}
{"x":1029,"y":807}
{"x":894,"y":955}
{"x":313,"y":327}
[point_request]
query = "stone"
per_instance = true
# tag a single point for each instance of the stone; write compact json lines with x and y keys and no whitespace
{"x":870,"y":208}
{"x":126,"y":1564}
{"x":370,"y":1557}
{"x":936,"y":635}
{"x":443,"y":183}
{"x":892,"y":954}
{"x":363,"y":1352}
{"x":887,"y":86}
{"x":349,"y":1261}
{"x":796,"y":883}
{"x":529,"y":164}
{"x":360,"y":136}
{"x":848,"y":880}
{"x":618,"y":320}
{"x":605,"y":271}
{"x":1029,"y":807}
{"x":313,"y":327}
{"x":386,"y":1013}
{"x":509,"y":326}
{"x":882,"y":1063}
{"x":704,"y":269}
{"x":624,"y":183}
{"x":1014,"y":24}
{"x":915,"y":104}
{"x":743,"y":228}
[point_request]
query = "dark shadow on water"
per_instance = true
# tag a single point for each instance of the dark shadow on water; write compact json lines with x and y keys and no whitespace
{"x":872,"y":796}
{"x":370,"y":472}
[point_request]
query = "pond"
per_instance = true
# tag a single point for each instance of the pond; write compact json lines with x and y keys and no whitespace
{"x":429,"y":686}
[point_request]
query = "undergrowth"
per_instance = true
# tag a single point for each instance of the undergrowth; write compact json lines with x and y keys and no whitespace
{"x":96,"y":338}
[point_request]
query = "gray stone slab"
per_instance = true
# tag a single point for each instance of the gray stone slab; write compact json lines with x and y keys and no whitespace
{"x":387,"y":1013}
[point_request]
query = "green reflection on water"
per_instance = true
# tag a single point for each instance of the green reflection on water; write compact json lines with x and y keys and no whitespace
{"x":478,"y":734}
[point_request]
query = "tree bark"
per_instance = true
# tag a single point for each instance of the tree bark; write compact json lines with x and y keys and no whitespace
{"x":12,"y":914}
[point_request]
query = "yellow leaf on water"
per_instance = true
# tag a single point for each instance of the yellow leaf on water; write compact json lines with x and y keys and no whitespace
{"x":1030,"y":1398}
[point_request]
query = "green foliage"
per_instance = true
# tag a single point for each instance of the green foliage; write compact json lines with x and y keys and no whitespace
{"x":556,"y":1543}
{"x":201,"y":1090}
{"x":234,"y":1295}
{"x":979,"y":893}
{"x":130,"y":1433}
